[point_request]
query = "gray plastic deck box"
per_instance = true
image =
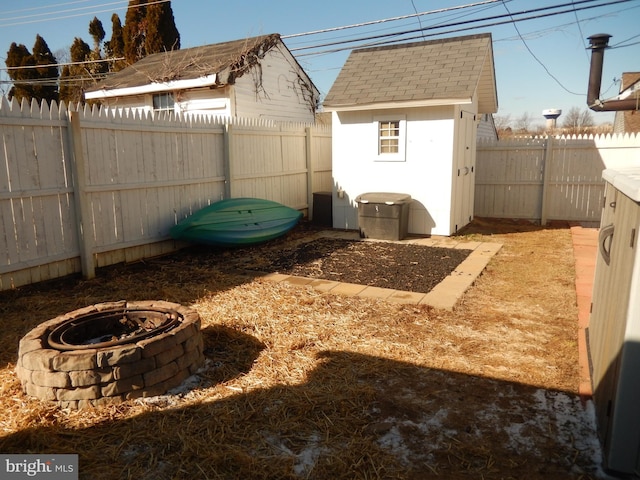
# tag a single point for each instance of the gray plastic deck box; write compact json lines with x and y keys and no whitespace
{"x":383,"y":216}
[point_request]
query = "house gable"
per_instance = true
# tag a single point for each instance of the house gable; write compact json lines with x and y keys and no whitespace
{"x":254,"y":77}
{"x":437,"y":72}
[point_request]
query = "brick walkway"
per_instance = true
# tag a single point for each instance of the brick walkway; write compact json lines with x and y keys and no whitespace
{"x":585,"y":251}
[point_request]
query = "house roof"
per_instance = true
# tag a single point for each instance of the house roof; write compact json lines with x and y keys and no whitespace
{"x":434,"y":72}
{"x":209,"y":65}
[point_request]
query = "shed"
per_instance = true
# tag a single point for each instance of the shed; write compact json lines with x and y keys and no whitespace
{"x":405,"y":119}
{"x":255,"y":77}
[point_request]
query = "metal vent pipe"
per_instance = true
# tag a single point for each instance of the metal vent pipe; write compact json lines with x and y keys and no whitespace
{"x":598,"y":43}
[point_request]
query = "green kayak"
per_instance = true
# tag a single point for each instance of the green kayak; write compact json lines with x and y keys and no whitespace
{"x":237,"y":222}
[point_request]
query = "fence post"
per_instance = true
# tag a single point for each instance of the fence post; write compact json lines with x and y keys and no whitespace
{"x":226,"y":146}
{"x":546,"y":173}
{"x":80,"y":196}
{"x":309,"y":160}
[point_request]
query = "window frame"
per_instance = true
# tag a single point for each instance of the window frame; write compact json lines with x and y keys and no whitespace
{"x":170,"y":106}
{"x":378,"y":123}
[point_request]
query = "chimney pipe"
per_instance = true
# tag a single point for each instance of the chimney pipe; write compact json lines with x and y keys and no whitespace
{"x":598,"y":43}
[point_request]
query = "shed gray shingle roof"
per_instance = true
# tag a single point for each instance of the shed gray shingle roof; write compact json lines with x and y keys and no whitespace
{"x":443,"y":69}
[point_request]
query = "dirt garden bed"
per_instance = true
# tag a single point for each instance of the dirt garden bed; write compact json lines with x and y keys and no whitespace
{"x":303,"y":384}
{"x":398,"y":266}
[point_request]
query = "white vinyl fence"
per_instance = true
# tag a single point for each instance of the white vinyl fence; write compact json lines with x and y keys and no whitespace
{"x":81,"y":189}
{"x":89,"y":188}
{"x":548,"y":178}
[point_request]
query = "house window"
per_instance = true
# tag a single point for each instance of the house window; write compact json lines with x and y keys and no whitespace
{"x":391,"y":138}
{"x":163,"y":102}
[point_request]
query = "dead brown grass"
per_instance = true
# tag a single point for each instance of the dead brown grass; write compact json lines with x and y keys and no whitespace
{"x":303,"y":384}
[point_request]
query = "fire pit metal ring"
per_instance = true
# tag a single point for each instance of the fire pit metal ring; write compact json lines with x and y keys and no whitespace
{"x":111,"y":327}
{"x":110,"y":352}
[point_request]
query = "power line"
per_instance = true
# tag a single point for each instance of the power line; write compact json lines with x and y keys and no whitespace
{"x":31,"y":9}
{"x":374,"y":22}
{"x":66,"y":64}
{"x":73,"y":15}
{"x":620,"y":44}
{"x":416,"y":10}
{"x":55,"y":81}
{"x":575,"y":13}
{"x":534,"y":56}
{"x":48,"y":14}
{"x":391,"y":38}
{"x":392,"y":19}
{"x":465,"y":22}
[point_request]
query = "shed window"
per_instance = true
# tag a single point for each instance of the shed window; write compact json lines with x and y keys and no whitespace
{"x":163,"y":102}
{"x":391,"y":138}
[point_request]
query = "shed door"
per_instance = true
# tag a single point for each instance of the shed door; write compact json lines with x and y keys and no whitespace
{"x":464,"y":172}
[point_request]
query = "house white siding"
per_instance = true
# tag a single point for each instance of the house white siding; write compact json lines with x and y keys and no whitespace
{"x":428,"y":172}
{"x":486,"y":127}
{"x":275,"y":89}
{"x":205,"y":101}
{"x":199,"y":101}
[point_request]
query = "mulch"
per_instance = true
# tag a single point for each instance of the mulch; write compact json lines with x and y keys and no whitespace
{"x":407,"y":267}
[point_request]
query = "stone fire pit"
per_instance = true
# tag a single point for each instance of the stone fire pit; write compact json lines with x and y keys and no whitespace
{"x":110,"y":352}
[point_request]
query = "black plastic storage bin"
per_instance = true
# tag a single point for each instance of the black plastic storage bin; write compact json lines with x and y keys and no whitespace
{"x":383,"y":216}
{"x":323,"y":209}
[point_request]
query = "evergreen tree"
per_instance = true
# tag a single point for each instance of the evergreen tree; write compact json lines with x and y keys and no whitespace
{"x":20,"y":56}
{"x":97,"y":32}
{"x":76,"y":77}
{"x":47,"y":89}
{"x":162,"y":34}
{"x":114,"y":48}
{"x":30,"y":83}
{"x":134,"y":31}
{"x":149,"y":29}
{"x":66,"y":85}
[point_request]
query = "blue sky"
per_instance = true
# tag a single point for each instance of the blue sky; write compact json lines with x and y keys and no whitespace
{"x":543,"y":64}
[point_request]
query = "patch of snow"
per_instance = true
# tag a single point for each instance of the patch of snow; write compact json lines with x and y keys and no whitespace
{"x":174,"y":395}
{"x":305,"y":460}
{"x":430,"y":426}
{"x":576,"y":428}
{"x":308,"y":457}
{"x":393,"y":441}
{"x":564,"y":416}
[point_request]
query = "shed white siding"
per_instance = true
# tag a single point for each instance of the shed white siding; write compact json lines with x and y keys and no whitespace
{"x":428,"y":174}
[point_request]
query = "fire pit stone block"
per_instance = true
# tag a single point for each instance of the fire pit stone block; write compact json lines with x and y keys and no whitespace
{"x":84,"y":377}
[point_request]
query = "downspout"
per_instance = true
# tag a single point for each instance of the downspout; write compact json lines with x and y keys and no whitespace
{"x":598,"y":43}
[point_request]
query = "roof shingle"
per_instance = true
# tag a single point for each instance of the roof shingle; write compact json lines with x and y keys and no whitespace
{"x":451,"y":68}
